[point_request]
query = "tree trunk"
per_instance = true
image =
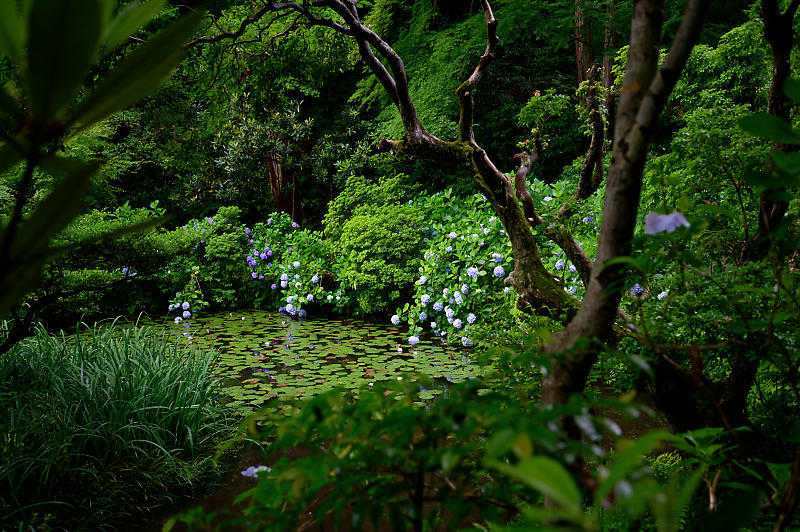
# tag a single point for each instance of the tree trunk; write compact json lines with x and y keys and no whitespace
{"x":583,"y":41}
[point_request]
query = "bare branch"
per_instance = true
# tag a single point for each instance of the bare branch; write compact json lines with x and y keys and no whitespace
{"x":464,"y":92}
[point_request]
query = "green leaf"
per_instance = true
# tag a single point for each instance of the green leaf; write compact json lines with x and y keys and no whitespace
{"x":12,"y":31}
{"x":792,"y":89}
{"x":788,"y":162}
{"x":130,"y":18}
{"x":770,"y":127}
{"x":716,"y":209}
{"x":58,"y":209}
{"x":140,"y":72}
{"x":627,"y":460}
{"x":62,"y":40}
{"x":547,"y":476}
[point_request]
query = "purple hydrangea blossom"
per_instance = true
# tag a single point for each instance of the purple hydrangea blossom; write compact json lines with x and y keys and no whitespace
{"x":187,"y":314}
{"x":296,"y":264}
{"x":247,"y":230}
{"x":315,"y":279}
{"x":438,"y":306}
{"x":588,"y":219}
{"x":466,"y":342}
{"x":471,"y":318}
{"x":285,"y":277}
{"x":178,"y":319}
{"x":284,"y":284}
{"x":395,"y":320}
{"x":302,"y":313}
{"x":499,"y":271}
{"x":449,"y":312}
{"x":422,"y":280}
{"x":453,"y":235}
{"x":274,"y":286}
{"x":413,"y":340}
{"x":464,"y":289}
{"x":254,"y":275}
{"x":253,"y":471}
{"x":425,"y":299}
{"x":423,"y":316}
{"x":295,"y":224}
{"x":472,"y":272}
{"x":310,"y":298}
{"x":497,"y":257}
{"x":637,"y":290}
{"x":459,"y":299}
{"x":457,"y":324}
{"x":655,"y":223}
{"x":560,"y":264}
{"x":448,"y":249}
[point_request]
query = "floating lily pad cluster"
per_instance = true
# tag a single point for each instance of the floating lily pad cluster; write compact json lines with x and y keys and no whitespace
{"x":265,"y":355}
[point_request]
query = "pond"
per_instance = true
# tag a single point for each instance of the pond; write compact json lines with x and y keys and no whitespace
{"x":266,"y":355}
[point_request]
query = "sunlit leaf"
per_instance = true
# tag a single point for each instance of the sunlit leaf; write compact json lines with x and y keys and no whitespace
{"x":129,"y":19}
{"x":769,"y":127}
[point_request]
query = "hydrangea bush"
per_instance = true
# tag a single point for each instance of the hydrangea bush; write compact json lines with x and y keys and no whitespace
{"x":460,"y":283}
{"x":291,"y":265}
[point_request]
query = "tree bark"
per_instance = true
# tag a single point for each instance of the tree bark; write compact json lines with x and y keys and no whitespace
{"x":644,"y":95}
{"x":583,"y":41}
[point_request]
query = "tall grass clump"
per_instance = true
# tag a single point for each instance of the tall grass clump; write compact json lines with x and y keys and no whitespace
{"x":98,"y":425}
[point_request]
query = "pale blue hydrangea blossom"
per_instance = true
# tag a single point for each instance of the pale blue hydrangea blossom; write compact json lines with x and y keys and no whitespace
{"x":655,"y":223}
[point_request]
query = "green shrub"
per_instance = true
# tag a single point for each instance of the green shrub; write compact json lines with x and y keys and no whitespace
{"x":93,"y":422}
{"x":379,"y":252}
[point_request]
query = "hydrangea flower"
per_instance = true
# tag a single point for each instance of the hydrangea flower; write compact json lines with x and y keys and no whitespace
{"x":464,"y":289}
{"x":572,"y":290}
{"x":284,"y":284}
{"x":254,"y":275}
{"x":560,"y":264}
{"x":185,"y":305}
{"x":171,"y":307}
{"x":434,"y":326}
{"x":296,"y":264}
{"x":572,"y":268}
{"x":178,"y":319}
{"x":290,"y":308}
{"x":125,"y":270}
{"x":302,"y":313}
{"x":284,"y":277}
{"x":449,"y":312}
{"x":498,"y":257}
{"x":453,"y":235}
{"x":471,"y":318}
{"x":459,"y":299}
{"x":315,"y":279}
{"x":655,"y":223}
{"x":472,"y":272}
{"x":548,"y":198}
{"x":445,"y":292}
{"x":588,"y":219}
{"x":466,"y":342}
{"x":425,"y":299}
{"x":423,"y":280}
{"x":662,"y":295}
{"x":330,"y":297}
{"x":448,"y":249}
{"x":423,"y":316}
{"x":457,"y":324}
{"x":187,"y":314}
{"x":253,"y":471}
{"x":637,"y":290}
{"x":310,"y":297}
{"x":273,"y":286}
{"x":413,"y":340}
{"x":297,"y":276}
{"x":438,"y":306}
{"x":295,"y":224}
{"x":247,"y":230}
{"x":395,"y":320}
{"x":499,"y":271}
{"x":507,"y":289}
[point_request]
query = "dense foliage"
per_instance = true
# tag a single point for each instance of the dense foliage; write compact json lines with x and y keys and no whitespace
{"x":654,"y":389}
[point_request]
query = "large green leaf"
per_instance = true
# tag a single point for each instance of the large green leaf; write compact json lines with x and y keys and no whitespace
{"x":792,"y":89}
{"x":140,"y":72}
{"x":29,"y":248}
{"x":12,"y":31}
{"x":57,"y":210}
{"x":130,"y":18}
{"x":62,"y":39}
{"x":547,"y":476}
{"x":770,"y":127}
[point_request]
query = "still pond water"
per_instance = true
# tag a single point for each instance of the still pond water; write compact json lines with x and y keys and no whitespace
{"x":265,"y":355}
